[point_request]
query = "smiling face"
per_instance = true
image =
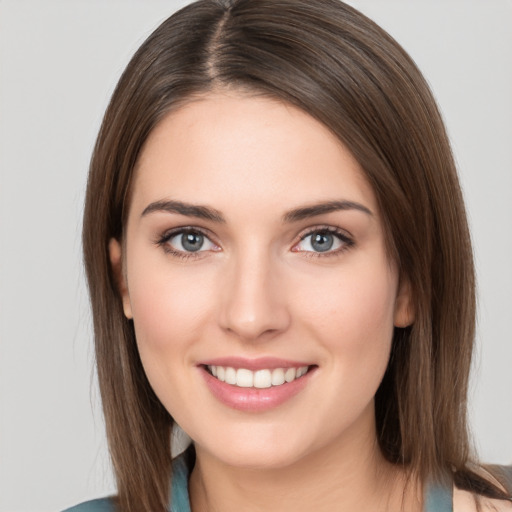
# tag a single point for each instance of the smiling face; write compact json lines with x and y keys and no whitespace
{"x":255,"y":254}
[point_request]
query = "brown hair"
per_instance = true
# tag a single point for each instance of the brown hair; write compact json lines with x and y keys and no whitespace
{"x":337,"y":65}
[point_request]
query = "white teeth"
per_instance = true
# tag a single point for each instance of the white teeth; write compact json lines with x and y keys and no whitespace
{"x":244,"y":378}
{"x":230,"y":375}
{"x":290,"y":374}
{"x":277,"y":377}
{"x":302,"y":371}
{"x":259,"y":379}
{"x":262,"y":379}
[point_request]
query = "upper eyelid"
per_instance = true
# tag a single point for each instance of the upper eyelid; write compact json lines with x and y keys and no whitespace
{"x":169,"y":233}
{"x":331,"y":229}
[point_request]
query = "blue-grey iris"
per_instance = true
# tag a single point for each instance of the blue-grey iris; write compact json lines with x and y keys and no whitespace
{"x":192,"y":241}
{"x":322,"y":242}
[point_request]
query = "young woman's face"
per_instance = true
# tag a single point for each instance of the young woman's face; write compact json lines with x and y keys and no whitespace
{"x":255,"y":252}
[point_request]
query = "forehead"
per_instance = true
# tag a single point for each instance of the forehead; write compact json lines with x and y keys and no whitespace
{"x":235,"y":149}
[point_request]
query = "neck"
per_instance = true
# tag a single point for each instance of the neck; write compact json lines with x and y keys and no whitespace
{"x":347,"y":474}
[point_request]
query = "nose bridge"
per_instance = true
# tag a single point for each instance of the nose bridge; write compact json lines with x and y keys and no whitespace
{"x":253,"y":302}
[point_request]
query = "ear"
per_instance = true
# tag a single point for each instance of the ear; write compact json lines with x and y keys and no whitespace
{"x":404,"y":310}
{"x":116,"y":253}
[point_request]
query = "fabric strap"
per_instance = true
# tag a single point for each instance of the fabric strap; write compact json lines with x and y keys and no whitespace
{"x":438,"y":498}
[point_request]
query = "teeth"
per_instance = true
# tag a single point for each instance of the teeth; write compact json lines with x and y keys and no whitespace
{"x":277,"y":377}
{"x":290,"y":374}
{"x":301,"y":371}
{"x":230,"y":376}
{"x":244,"y":378}
{"x":262,"y":379}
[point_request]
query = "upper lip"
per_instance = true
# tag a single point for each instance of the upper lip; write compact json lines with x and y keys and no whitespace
{"x":260,"y":363}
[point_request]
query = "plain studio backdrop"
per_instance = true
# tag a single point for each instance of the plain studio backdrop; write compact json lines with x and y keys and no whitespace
{"x":59,"y":62}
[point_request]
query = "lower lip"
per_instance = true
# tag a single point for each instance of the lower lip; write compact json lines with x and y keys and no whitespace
{"x":254,"y":399}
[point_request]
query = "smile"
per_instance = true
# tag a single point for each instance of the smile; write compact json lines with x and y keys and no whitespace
{"x":261,"y":379}
{"x":256,"y":385}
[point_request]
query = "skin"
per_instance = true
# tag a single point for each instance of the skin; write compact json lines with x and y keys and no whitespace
{"x":258,"y":288}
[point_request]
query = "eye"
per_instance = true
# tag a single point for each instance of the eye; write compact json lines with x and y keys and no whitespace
{"x":324,"y":240}
{"x":186,"y":241}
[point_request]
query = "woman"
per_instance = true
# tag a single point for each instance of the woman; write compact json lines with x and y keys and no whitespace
{"x":279,"y":262}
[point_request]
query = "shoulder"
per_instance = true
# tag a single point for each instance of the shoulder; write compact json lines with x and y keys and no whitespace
{"x":467,"y":501}
{"x":99,"y":505}
{"x":182,"y":466}
{"x":464,"y":501}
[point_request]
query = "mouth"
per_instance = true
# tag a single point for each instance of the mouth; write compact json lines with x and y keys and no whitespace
{"x":256,"y":385}
{"x":260,"y":379}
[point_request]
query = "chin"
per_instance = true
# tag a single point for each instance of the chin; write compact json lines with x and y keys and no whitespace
{"x":256,"y":460}
{"x":250,"y":451}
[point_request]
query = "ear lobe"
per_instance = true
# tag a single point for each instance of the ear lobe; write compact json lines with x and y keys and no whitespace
{"x":115,"y":253}
{"x":404,"y":310}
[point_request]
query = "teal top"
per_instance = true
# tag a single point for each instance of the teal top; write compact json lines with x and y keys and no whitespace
{"x":181,"y":468}
{"x":437,"y":498}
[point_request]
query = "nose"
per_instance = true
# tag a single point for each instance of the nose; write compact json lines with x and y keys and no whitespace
{"x":253,"y":304}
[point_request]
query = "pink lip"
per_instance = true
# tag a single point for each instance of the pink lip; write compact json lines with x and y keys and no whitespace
{"x":260,"y":363}
{"x":254,"y":399}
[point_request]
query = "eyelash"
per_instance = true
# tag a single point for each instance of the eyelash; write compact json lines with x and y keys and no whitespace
{"x":168,"y":235}
{"x":338,"y":233}
{"x":341,"y":235}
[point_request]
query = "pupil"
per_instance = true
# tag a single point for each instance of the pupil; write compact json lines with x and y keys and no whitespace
{"x":192,"y":241}
{"x":322,"y":242}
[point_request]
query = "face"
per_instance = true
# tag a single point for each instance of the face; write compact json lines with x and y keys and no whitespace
{"x":255,"y":270}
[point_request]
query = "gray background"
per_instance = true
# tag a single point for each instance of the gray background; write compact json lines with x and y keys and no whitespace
{"x":59,"y":61}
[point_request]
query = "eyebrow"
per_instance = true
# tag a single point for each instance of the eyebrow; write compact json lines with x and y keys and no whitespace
{"x":190,"y":210}
{"x":322,"y":208}
{"x":211,"y":214}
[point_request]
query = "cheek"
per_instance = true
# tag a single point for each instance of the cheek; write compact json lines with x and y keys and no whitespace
{"x":353,"y":307}
{"x":169,"y":307}
{"x":170,"y":314}
{"x":354,"y":324}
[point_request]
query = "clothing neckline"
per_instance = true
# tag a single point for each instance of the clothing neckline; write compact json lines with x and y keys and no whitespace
{"x":438,"y":497}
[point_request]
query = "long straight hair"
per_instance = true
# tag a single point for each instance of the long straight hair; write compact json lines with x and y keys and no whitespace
{"x":332,"y":62}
